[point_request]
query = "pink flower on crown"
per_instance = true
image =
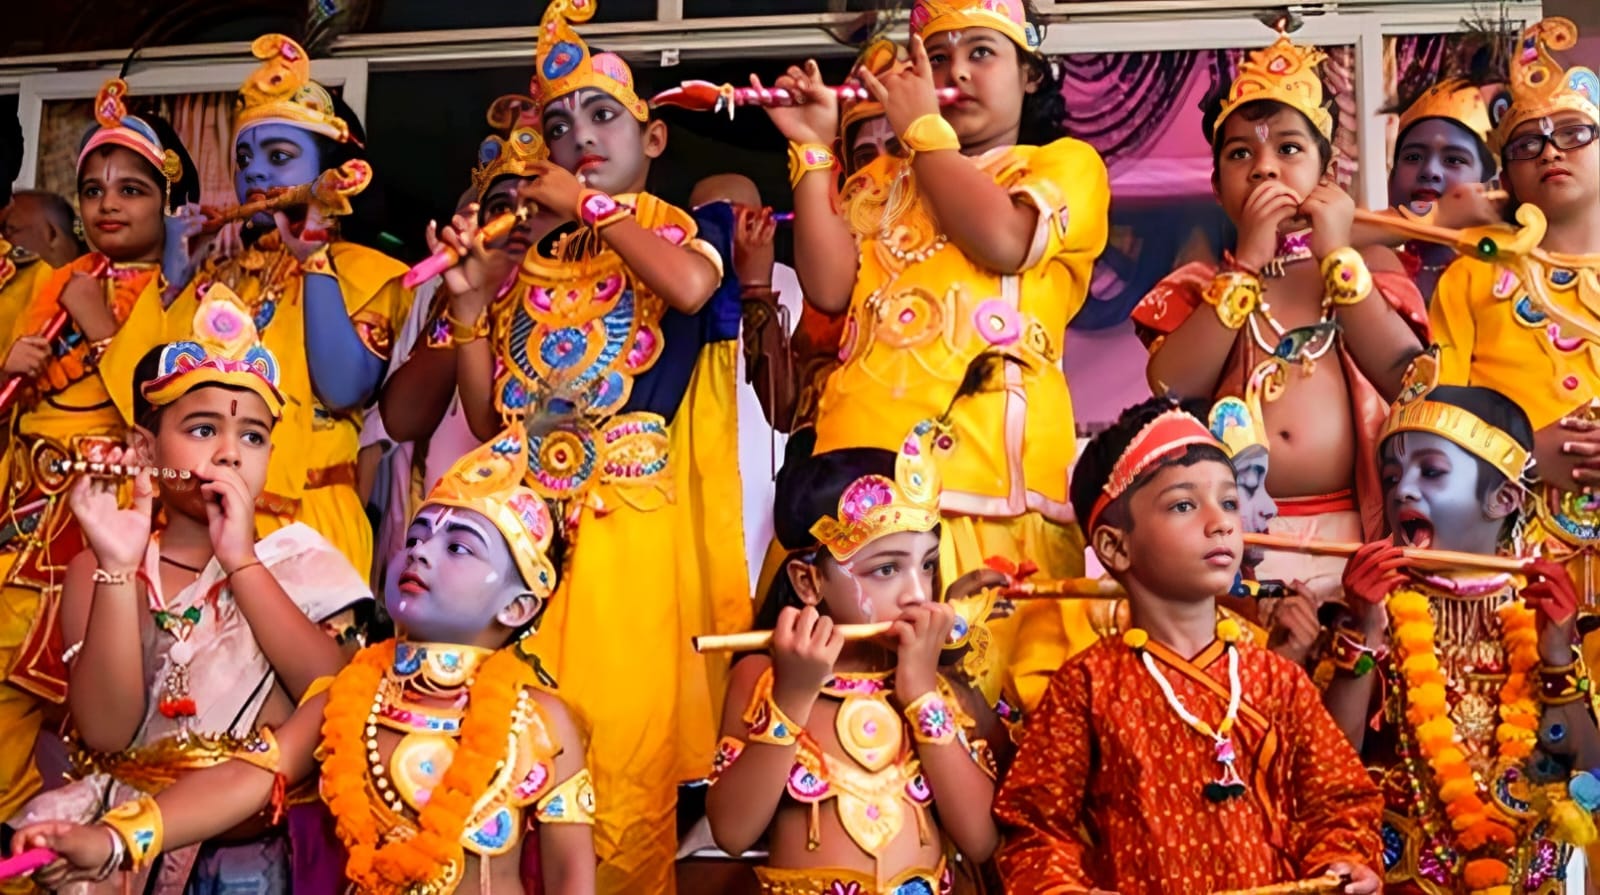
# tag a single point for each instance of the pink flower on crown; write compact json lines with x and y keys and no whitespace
{"x":531,"y":510}
{"x":863,"y":496}
{"x":612,"y":66}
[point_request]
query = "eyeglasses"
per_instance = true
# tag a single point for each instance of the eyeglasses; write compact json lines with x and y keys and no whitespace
{"x":1530,"y":146}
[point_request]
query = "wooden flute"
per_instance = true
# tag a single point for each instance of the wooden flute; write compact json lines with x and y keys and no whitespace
{"x":1430,"y":559}
{"x":1064,"y":589}
{"x":1322,"y":884}
{"x":754,"y":640}
{"x":95,"y":469}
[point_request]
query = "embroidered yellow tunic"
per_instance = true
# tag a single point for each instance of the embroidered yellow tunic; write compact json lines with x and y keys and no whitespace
{"x":311,"y":477}
{"x":921,"y":312}
{"x":21,"y":275}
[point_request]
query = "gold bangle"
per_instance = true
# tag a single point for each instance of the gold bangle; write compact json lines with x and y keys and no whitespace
{"x":138,"y":824}
{"x":1345,"y":278}
{"x":101,"y":576}
{"x":807,"y":157}
{"x":930,"y":133}
{"x":1235,"y":295}
{"x":768,"y":724}
{"x":318,"y":262}
{"x":463,"y":333}
{"x":931,"y":719}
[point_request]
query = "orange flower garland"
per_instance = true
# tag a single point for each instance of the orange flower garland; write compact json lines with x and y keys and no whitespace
{"x":1472,"y":815}
{"x":424,"y":860}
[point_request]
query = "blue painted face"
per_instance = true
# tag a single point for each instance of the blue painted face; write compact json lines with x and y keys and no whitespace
{"x":271,"y":155}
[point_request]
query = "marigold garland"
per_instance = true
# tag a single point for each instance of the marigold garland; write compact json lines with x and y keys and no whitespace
{"x":420,"y":860}
{"x":1476,"y":822}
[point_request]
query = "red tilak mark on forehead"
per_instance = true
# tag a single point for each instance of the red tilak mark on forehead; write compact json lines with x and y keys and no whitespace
{"x":233,"y":407}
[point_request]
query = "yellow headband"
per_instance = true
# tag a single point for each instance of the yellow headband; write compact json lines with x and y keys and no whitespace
{"x":563,"y":64}
{"x":1413,"y":412}
{"x":1455,"y":99}
{"x":1239,"y":423}
{"x":488,"y":481}
{"x":930,"y":17}
{"x":514,"y":155}
{"x":281,"y":91}
{"x":874,"y":506}
{"x":224,"y":351}
{"x":1285,"y":73}
{"x":1538,"y":88}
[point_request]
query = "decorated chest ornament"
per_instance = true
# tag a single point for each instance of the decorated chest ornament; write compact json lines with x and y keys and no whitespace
{"x":115,"y":127}
{"x":1169,"y":434}
{"x":874,"y":506}
{"x":225,"y":351}
{"x":1453,"y":99}
{"x":281,"y":92}
{"x":1284,"y":72}
{"x":1238,"y":423}
{"x":517,"y":152}
{"x":1539,"y":88}
{"x":1228,"y":785}
{"x":1413,"y":412}
{"x":488,"y":481}
{"x":1009,"y":17}
{"x":563,"y":64}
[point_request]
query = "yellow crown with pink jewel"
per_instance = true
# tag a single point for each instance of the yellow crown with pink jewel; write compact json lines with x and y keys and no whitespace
{"x":1286,"y":73}
{"x":1454,"y":99}
{"x":281,"y":91}
{"x":1009,"y":17}
{"x":1538,"y":87}
{"x":225,"y":350}
{"x":874,"y":506}
{"x":1413,"y":412}
{"x":563,"y":64}
{"x":488,"y":481}
{"x":517,"y":152}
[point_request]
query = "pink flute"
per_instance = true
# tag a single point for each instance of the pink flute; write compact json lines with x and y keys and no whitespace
{"x":26,"y":863}
{"x":704,"y":96}
{"x":446,"y":257}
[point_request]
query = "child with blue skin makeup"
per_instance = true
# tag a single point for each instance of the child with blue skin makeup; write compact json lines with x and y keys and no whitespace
{"x":620,"y":338}
{"x":327,"y":307}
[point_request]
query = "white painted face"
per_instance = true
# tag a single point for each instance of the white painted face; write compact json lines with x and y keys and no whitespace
{"x":454,"y":577}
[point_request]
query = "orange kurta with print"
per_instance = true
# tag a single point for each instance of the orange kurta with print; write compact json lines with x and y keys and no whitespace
{"x":922,"y":312}
{"x":1107,"y":790}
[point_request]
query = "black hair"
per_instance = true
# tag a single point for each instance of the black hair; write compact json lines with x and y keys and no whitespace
{"x":1260,"y":110}
{"x":557,"y":554}
{"x":807,"y":489}
{"x":1101,"y":454}
{"x":1493,"y":408}
{"x":11,"y":144}
{"x":187,"y":187}
{"x":1044,"y":111}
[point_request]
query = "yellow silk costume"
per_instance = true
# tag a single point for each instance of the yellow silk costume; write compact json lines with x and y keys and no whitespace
{"x":921,"y":312}
{"x":311,"y":477}
{"x":21,"y":275}
{"x":38,"y":536}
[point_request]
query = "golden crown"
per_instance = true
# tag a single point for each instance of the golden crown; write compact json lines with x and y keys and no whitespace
{"x":1009,"y":17}
{"x":1413,"y":412}
{"x":281,"y":90}
{"x":874,"y":506}
{"x":564,"y":65}
{"x":1238,"y":422}
{"x":1538,"y":87}
{"x":488,"y":481}
{"x":517,"y":152}
{"x":1284,"y":72}
{"x":1455,"y":99}
{"x":225,"y":350}
{"x":877,"y":58}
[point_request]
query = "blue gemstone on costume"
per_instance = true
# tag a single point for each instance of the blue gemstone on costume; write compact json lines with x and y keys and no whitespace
{"x":564,"y":347}
{"x":406,"y":659}
{"x":427,"y":767}
{"x":495,"y":832}
{"x":1562,"y":277}
{"x":1527,"y":313}
{"x":556,"y":808}
{"x":914,"y":887}
{"x":450,"y":660}
{"x":514,"y":396}
{"x":561,"y":60}
{"x":1394,"y":845}
{"x":264,"y":314}
{"x":780,"y":730}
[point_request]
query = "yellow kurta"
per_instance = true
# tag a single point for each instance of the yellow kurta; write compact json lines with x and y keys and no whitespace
{"x":68,"y":402}
{"x":21,"y":275}
{"x":655,"y":503}
{"x":311,"y":477}
{"x":921,"y":312}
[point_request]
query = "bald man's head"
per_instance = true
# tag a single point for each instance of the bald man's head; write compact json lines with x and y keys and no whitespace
{"x":42,"y":223}
{"x":734,"y":188}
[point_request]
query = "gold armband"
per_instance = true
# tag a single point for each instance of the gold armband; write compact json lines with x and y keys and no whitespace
{"x":930,"y":133}
{"x":931,"y":720}
{"x":138,"y":825}
{"x":1235,"y":295}
{"x":768,"y":724}
{"x":807,"y":157}
{"x":462,"y":333}
{"x":1345,"y":278}
{"x":261,"y":750}
{"x":570,"y":802}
